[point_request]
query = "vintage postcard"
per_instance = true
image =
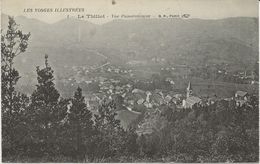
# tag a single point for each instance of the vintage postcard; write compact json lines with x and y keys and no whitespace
{"x":89,"y":81}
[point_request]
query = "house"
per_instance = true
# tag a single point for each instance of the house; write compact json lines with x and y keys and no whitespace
{"x":178,"y":96}
{"x":241,"y":98}
{"x":240,"y":102}
{"x":140,"y":101}
{"x":158,"y":91}
{"x":170,"y":80}
{"x":148,"y":104}
{"x":175,"y":100}
{"x":157,"y":99}
{"x":254,"y":82}
{"x":168,"y":99}
{"x":212,"y":100}
{"x":128,"y":85}
{"x":191,"y":101}
{"x":138,"y":91}
{"x":241,"y":95}
{"x":117,"y":70}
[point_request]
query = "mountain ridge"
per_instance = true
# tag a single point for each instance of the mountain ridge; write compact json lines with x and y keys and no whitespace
{"x":230,"y":39}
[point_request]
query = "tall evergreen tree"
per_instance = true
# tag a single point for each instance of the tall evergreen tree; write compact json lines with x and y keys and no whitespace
{"x":45,"y":92}
{"x":81,"y":124}
{"x":45,"y":108}
{"x":109,"y":139}
{"x":13,"y":43}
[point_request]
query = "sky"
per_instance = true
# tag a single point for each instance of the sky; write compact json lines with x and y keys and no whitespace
{"x":203,"y":9}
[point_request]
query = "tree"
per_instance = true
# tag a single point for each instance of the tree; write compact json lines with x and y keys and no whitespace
{"x":46,"y":114}
{"x":131,"y":144}
{"x":109,"y":137}
{"x":119,"y":100}
{"x":81,"y":124}
{"x":13,"y":43}
{"x":45,"y":92}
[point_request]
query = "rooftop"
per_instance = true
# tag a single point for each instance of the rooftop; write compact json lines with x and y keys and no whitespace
{"x":193,"y":100}
{"x":241,"y":93}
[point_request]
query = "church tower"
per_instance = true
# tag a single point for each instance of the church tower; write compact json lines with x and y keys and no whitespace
{"x":189,"y":90}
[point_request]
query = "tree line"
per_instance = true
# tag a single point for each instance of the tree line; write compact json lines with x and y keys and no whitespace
{"x":51,"y":128}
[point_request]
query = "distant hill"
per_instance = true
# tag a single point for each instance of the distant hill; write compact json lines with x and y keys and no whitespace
{"x":192,"y":41}
{"x":233,"y":39}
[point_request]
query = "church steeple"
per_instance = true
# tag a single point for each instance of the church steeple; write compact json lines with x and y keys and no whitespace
{"x":189,"y":90}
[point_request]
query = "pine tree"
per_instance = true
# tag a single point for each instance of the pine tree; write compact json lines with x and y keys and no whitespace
{"x":81,"y":124}
{"x":45,"y":93}
{"x":13,"y":43}
{"x":47,"y":111}
{"x":109,"y":138}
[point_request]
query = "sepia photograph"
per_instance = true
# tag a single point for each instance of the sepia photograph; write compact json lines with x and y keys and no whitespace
{"x":129,"y":81}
